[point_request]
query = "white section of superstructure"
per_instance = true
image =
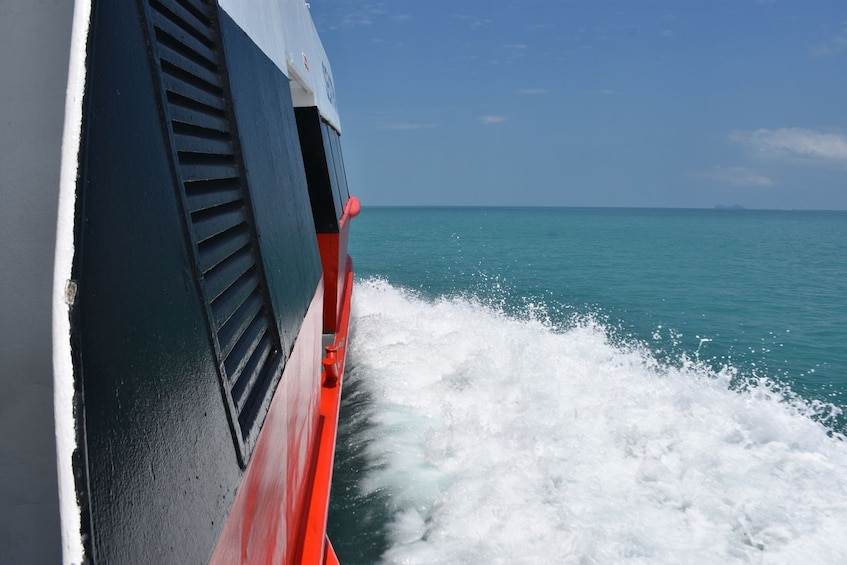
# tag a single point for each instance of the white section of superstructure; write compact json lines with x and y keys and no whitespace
{"x":294,"y":47}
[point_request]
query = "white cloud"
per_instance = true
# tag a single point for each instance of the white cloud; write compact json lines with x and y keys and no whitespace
{"x":360,"y":14}
{"x":509,"y":53}
{"x":404,"y":126}
{"x":834,"y":42}
{"x":353,"y":20}
{"x":833,"y":46}
{"x":488,"y":120}
{"x":474,"y":21}
{"x":738,"y":176}
{"x":794,"y":143}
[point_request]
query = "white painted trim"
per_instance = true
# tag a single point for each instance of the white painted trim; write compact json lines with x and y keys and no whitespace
{"x":63,"y":373}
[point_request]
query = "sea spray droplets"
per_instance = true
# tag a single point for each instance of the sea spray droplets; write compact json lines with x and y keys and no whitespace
{"x":503,"y":441}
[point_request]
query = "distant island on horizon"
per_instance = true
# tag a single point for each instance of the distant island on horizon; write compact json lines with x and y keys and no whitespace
{"x":733,"y":207}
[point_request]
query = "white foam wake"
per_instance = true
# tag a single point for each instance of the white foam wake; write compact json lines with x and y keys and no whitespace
{"x":500,"y":440}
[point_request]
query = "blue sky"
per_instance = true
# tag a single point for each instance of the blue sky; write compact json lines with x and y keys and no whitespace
{"x":592,"y":103}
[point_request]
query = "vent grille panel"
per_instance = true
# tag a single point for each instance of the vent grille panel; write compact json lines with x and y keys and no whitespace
{"x":179,"y":32}
{"x":186,"y":62}
{"x":216,"y":250}
{"x":234,"y":297}
{"x":245,"y":350}
{"x":217,"y":209}
{"x":185,"y":115}
{"x":194,"y":22}
{"x":202,"y":142}
{"x":233,"y":331}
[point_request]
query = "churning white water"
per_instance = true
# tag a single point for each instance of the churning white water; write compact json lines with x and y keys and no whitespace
{"x":498,"y":440}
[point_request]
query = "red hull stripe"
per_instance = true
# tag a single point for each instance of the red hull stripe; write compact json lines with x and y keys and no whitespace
{"x":315,"y":540}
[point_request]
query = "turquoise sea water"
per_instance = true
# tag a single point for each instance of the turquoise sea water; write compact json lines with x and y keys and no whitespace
{"x":594,"y":385}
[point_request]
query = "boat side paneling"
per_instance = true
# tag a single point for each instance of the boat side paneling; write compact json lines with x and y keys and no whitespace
{"x":161,"y":464}
{"x":34,"y":67}
{"x":162,"y":469}
{"x":262,"y":105}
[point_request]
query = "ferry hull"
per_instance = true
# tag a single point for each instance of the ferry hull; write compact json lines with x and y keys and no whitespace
{"x":196,"y":399}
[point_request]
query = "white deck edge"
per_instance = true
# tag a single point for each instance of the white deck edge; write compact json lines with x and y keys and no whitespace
{"x":63,"y":372}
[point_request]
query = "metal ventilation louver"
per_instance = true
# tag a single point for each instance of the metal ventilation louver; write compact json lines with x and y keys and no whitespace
{"x":205,"y":145}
